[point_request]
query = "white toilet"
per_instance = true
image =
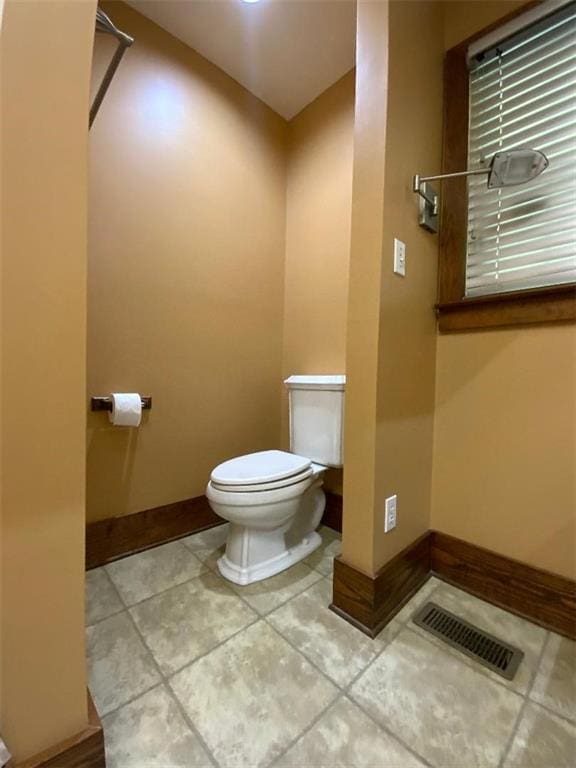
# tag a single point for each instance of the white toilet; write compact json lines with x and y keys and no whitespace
{"x":274,"y":499}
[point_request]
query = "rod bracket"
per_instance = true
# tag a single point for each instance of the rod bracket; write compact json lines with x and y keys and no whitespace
{"x":428,"y":204}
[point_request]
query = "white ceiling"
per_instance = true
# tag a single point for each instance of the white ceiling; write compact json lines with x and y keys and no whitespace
{"x":286,"y":52}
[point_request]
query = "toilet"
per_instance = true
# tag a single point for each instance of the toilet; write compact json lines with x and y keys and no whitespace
{"x":274,"y":499}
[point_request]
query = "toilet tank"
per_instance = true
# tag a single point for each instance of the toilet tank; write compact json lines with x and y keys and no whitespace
{"x":317,"y":417}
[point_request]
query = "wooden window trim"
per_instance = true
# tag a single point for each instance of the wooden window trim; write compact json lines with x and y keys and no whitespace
{"x":456,"y":313}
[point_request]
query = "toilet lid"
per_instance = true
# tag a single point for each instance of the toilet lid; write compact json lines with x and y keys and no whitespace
{"x":262,"y":467}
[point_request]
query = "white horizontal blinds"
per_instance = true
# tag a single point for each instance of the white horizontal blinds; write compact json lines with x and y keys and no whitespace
{"x":523,"y":94}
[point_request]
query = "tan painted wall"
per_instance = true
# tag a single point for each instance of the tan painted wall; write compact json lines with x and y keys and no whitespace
{"x":505,"y":429}
{"x":463,"y":18}
{"x":46,"y":51}
{"x":186,"y":271}
{"x":364,"y":282}
{"x":319,"y":192}
{"x":391,"y":329}
{"x":407,"y":348}
{"x":505,"y":443}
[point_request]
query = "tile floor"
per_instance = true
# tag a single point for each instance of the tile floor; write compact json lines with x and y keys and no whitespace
{"x":189,"y":671}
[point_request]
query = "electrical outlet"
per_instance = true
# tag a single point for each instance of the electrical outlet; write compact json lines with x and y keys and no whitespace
{"x":399,"y":257}
{"x":390,"y":513}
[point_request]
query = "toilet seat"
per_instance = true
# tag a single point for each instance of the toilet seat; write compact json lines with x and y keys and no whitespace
{"x":262,"y":471}
{"x":257,"y":487}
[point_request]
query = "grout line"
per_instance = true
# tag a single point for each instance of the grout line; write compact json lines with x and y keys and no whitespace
{"x":168,"y":687}
{"x":110,"y":615}
{"x":388,"y":732}
{"x":131,"y":700}
{"x":203,"y":571}
{"x":520,"y":716}
{"x":168,"y":676}
{"x":118,"y":595}
{"x":546,"y":708}
{"x":306,"y":730}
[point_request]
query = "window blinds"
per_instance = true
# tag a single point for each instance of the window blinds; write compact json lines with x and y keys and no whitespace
{"x":523,"y":94}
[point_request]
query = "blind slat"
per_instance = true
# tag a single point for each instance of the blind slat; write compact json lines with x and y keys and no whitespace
{"x":525,"y":96}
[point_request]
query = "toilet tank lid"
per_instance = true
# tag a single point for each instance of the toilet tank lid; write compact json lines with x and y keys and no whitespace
{"x":335,"y":383}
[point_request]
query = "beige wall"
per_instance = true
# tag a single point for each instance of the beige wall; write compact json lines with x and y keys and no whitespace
{"x":364,"y":282}
{"x":46,"y":51}
{"x":407,"y":346}
{"x":319,"y":196}
{"x":463,"y":18}
{"x":186,"y":271}
{"x":505,"y":428}
{"x":391,"y":328}
{"x":319,"y":191}
{"x":505,"y":443}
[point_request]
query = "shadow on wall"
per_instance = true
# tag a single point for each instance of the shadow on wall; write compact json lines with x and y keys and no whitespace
{"x":115,"y":448}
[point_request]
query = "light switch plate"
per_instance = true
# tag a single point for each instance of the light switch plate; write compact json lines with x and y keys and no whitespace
{"x":399,"y":257}
{"x":390,"y":513}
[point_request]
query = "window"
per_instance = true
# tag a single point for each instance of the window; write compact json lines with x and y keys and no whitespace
{"x":508,"y":255}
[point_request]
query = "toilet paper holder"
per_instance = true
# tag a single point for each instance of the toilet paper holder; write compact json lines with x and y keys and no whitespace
{"x":105,"y":403}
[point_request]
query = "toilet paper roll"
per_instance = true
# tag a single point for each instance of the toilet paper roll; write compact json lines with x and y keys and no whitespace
{"x":126,"y":409}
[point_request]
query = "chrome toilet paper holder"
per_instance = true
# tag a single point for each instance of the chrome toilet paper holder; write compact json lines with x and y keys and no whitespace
{"x":105,"y":403}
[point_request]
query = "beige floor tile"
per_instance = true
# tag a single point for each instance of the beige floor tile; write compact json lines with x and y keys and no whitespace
{"x":512,"y":629}
{"x":446,"y":711}
{"x":119,"y":666}
{"x":190,"y":619}
{"x":322,"y":560}
{"x":265,"y":596}
{"x":208,"y":545}
{"x":344,"y":737}
{"x":424,"y":593}
{"x":252,"y":696}
{"x":140,"y":576}
{"x":150,"y":732}
{"x":542,"y":741}
{"x":101,"y":598}
{"x":555,"y":684}
{"x":334,"y":645}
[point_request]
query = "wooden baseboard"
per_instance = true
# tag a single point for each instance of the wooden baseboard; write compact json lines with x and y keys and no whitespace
{"x":332,"y":516}
{"x":107,"y":540}
{"x":369,"y":602}
{"x":84,"y":750}
{"x":540,"y":596}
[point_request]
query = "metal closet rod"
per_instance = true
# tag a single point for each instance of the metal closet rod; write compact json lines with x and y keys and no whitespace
{"x":105,"y":24}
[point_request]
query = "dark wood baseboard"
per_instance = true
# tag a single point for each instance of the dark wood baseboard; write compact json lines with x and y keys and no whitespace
{"x":540,"y":596}
{"x":332,"y":516}
{"x":369,"y":602}
{"x":84,"y":750}
{"x":115,"y":537}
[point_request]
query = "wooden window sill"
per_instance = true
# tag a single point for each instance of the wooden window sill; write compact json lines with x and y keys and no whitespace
{"x":539,"y":305}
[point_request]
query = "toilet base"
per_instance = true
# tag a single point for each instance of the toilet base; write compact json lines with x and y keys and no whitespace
{"x":266,"y":568}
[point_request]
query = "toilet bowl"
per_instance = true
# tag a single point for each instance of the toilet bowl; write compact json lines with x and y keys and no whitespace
{"x":274,"y":500}
{"x":272,"y":518}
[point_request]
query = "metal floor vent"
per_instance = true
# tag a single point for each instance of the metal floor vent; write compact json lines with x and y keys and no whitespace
{"x":488,"y":650}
